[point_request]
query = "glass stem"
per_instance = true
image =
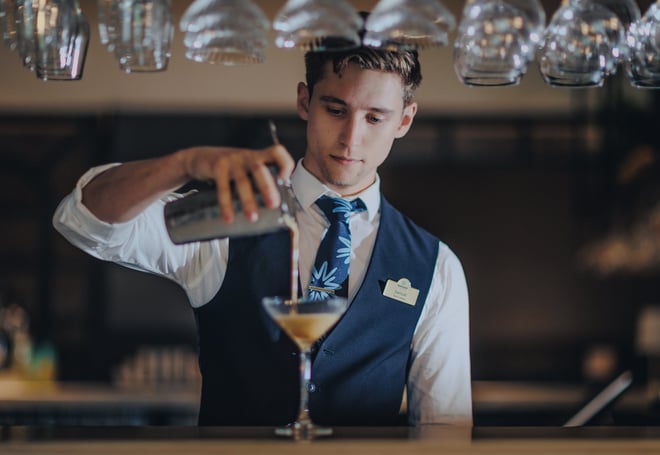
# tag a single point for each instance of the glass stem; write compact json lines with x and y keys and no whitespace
{"x":305,"y":378}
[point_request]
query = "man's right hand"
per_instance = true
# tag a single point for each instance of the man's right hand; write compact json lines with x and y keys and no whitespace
{"x":242,"y":166}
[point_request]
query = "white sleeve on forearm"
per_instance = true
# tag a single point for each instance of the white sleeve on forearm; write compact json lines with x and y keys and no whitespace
{"x":143,"y":243}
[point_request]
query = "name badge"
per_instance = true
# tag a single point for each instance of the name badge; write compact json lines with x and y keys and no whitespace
{"x":401,"y":290}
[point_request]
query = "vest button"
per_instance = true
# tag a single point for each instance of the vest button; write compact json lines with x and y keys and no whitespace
{"x":311,"y":387}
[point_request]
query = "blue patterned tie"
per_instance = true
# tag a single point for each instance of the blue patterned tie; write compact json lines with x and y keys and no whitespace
{"x":330,"y":272}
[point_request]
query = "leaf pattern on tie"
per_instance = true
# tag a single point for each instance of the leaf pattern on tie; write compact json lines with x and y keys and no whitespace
{"x":323,"y":278}
{"x":344,"y":252}
{"x":343,"y":206}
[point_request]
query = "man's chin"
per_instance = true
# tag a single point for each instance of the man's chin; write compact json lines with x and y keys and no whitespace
{"x":344,"y":185}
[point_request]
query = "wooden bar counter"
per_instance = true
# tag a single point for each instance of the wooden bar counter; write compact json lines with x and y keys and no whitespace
{"x":72,"y":419}
{"x":355,"y":440}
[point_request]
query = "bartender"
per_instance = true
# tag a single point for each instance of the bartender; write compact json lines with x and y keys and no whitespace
{"x":388,"y":345}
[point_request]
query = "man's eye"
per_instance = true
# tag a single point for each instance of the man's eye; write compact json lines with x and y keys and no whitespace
{"x":374,"y":119}
{"x":334,"y":111}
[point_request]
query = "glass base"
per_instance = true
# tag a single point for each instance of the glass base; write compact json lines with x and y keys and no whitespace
{"x":492,"y":81}
{"x":303,"y":432}
{"x":575,"y":80}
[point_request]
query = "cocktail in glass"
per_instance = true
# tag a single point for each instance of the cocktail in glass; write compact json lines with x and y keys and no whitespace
{"x":305,"y":321}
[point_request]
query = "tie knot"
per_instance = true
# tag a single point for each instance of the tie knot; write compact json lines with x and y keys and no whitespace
{"x":337,"y":209}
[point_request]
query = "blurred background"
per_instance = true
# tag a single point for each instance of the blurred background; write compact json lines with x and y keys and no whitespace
{"x":549,"y":196}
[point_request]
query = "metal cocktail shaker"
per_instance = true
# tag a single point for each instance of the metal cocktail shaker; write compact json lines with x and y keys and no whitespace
{"x":197,"y":216}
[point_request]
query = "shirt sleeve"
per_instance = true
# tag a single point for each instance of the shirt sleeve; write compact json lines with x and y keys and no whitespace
{"x":439,"y":381}
{"x":143,"y":243}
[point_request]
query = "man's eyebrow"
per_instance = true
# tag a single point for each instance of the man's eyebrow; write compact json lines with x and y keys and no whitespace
{"x":335,"y":100}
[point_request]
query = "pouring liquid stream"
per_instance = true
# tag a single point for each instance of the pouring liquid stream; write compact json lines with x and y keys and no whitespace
{"x":290,"y":222}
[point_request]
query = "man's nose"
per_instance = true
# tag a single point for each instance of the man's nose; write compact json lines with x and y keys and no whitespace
{"x":351,"y":134}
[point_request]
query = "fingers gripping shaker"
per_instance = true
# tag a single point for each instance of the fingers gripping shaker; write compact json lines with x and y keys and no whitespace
{"x":196,"y":217}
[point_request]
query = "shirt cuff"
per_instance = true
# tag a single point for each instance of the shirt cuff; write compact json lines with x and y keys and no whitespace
{"x":85,"y":220}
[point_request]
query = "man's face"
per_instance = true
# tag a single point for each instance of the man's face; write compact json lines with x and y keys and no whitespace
{"x":352,"y":121}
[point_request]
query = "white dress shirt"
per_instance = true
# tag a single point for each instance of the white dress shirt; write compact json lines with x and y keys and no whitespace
{"x":439,"y":381}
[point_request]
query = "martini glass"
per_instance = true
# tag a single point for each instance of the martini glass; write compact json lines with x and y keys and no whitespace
{"x":305,"y":321}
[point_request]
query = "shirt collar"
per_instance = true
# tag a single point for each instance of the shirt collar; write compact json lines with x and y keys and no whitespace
{"x":308,"y":189}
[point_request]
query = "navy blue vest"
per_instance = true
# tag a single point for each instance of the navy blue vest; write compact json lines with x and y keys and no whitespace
{"x":250,"y":367}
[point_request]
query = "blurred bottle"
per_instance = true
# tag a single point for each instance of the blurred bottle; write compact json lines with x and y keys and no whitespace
{"x":19,"y":356}
{"x":600,"y":366}
{"x":5,"y":350}
{"x":15,"y":323}
{"x":648,"y":346}
{"x":159,"y":367}
{"x":44,"y":363}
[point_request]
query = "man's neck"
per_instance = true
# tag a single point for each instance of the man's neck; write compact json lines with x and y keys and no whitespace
{"x":334,"y":188}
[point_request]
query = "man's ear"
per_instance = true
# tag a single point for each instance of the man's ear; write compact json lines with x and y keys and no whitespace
{"x":302,"y":103}
{"x":406,"y":120}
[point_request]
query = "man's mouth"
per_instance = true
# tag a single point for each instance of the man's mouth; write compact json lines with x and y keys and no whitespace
{"x":344,"y":159}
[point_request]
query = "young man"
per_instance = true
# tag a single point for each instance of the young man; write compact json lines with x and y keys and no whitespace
{"x":355,"y":103}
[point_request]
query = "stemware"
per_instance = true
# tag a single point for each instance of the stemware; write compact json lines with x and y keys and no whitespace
{"x":145,"y":31}
{"x":305,"y":321}
{"x":408,"y":24}
{"x":626,"y":10}
{"x":497,"y":40}
{"x":533,"y":23}
{"x":62,"y":36}
{"x":643,"y":59}
{"x":108,"y":21}
{"x":317,"y":25}
{"x":230,"y":32}
{"x":583,"y":44}
{"x":26,"y":42}
{"x":8,"y":23}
